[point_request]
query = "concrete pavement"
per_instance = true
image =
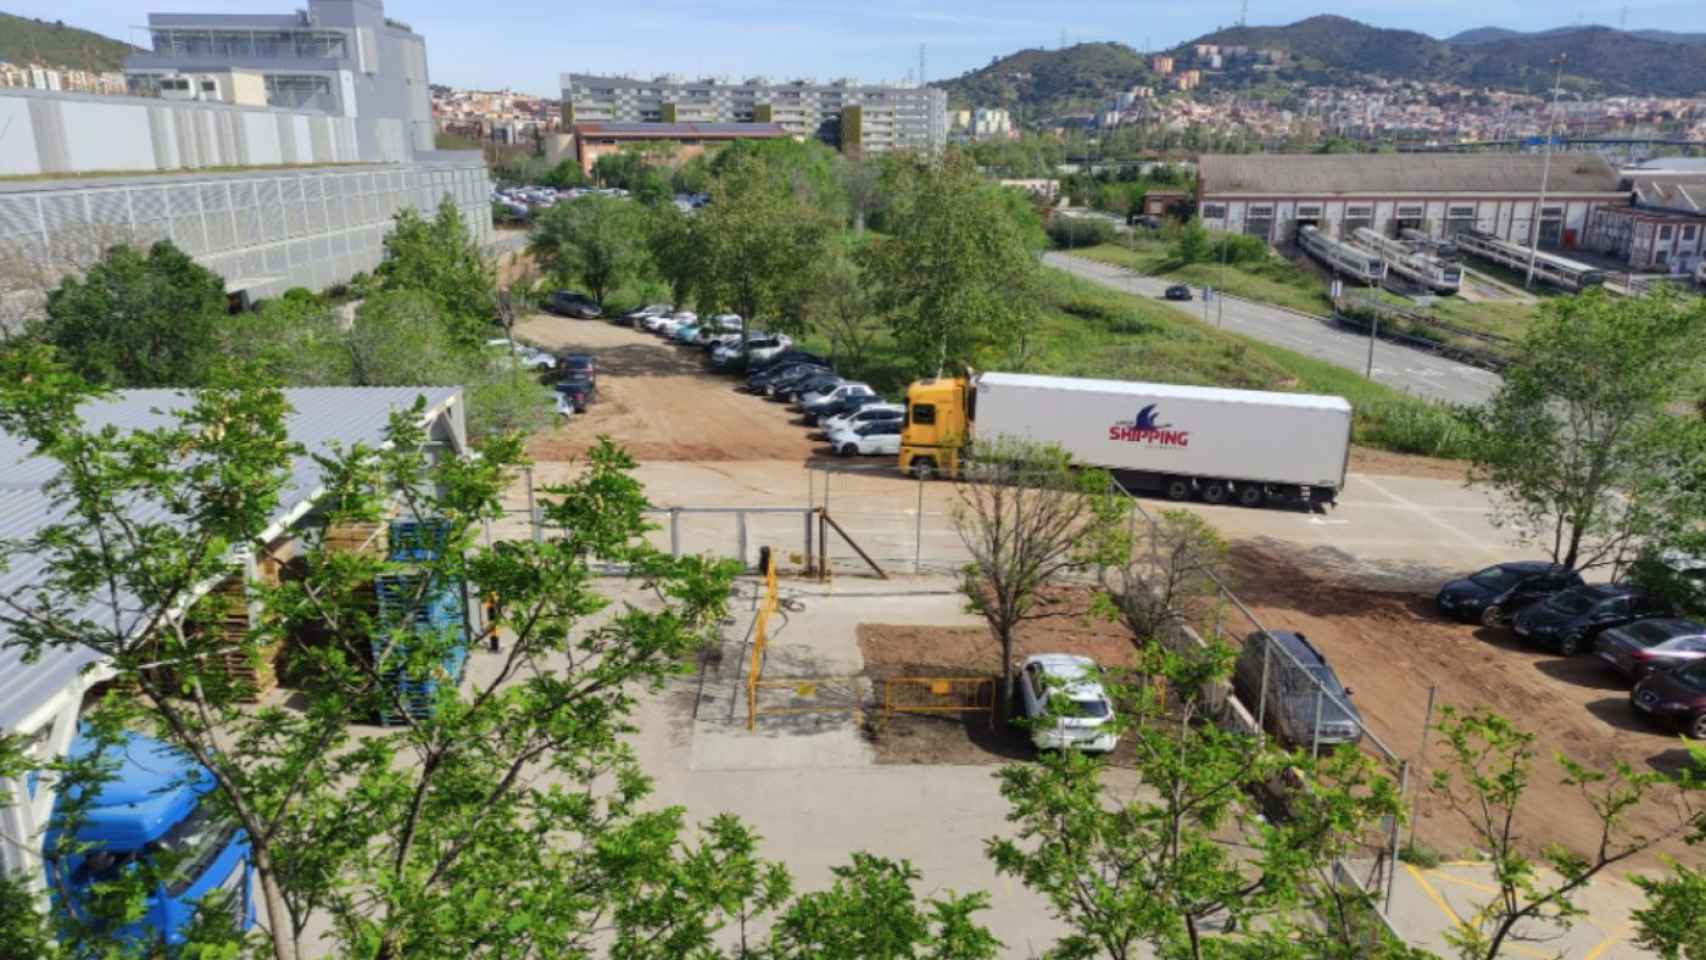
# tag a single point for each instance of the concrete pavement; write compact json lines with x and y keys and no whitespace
{"x":1413,"y":371}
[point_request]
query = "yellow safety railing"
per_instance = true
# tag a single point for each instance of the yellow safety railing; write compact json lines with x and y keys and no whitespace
{"x":760,"y":639}
{"x":927,"y":695}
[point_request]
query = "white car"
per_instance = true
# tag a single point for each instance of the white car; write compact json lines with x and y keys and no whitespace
{"x":726,"y":322}
{"x":878,"y":438}
{"x":758,"y":347}
{"x":1084,"y":718}
{"x":866,"y":414}
{"x":529,"y":357}
{"x":843,"y":391}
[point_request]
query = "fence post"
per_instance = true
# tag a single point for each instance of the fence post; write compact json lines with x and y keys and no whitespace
{"x":1315,"y":734}
{"x":1262,"y":698}
{"x":740,"y":536}
{"x":1392,"y":867}
{"x":675,"y":531}
{"x":811,"y":557}
{"x":918,"y":532}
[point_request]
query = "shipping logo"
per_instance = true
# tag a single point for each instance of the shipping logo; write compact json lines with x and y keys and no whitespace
{"x":1144,"y":429}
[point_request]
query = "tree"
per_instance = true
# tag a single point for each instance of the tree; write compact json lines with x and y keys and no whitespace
{"x":1127,"y":870}
{"x":954,"y":274}
{"x":1490,"y":764}
{"x":1579,"y":445}
{"x":843,"y":309}
{"x":294,"y":339}
{"x":760,"y":243}
{"x":1169,"y":570}
{"x":673,"y":250}
{"x":872,"y":911}
{"x":861,"y":180}
{"x":508,"y":400}
{"x":1025,"y":514}
{"x":1673,"y":924}
{"x":440,"y":258}
{"x":599,"y":239}
{"x":1192,"y":246}
{"x":399,"y":339}
{"x":138,"y":319}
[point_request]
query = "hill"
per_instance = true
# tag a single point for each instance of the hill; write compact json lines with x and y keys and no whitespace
{"x":24,"y":40}
{"x":1602,"y":61}
{"x":1036,"y":83}
{"x":1481,"y":35}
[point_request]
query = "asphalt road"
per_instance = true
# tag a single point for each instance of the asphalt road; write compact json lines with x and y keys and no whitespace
{"x":1413,"y":371}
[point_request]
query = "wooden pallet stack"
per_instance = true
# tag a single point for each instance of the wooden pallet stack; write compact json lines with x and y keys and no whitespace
{"x":371,"y":539}
{"x":224,"y":640}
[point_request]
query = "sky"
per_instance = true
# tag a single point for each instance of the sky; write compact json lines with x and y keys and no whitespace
{"x":525,"y":44}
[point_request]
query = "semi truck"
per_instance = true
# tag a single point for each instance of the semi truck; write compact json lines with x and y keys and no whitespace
{"x":153,"y":806}
{"x":1223,"y":446}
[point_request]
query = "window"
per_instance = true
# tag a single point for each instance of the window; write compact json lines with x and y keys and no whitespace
{"x":1460,"y":212}
{"x":1688,"y":232}
{"x":1664,"y":231}
{"x":924,"y":414}
{"x":1359,"y":211}
{"x":1662,"y":257}
{"x":1265,"y":210}
{"x":1214,"y":211}
{"x":1410,"y":213}
{"x":1309,"y":209}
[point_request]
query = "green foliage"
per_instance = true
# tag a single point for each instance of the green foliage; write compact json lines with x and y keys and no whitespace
{"x":1070,"y":233}
{"x":597,"y":239}
{"x":810,"y":169}
{"x":872,"y":911}
{"x":1031,"y":156}
{"x":1192,"y":244}
{"x":1418,"y":856}
{"x":1581,"y":445}
{"x":294,"y":339}
{"x":399,"y":339}
{"x":138,"y":319}
{"x":1673,"y":924}
{"x":440,"y":258}
{"x":565,"y":175}
{"x":30,"y":40}
{"x":673,"y":251}
{"x":508,"y":401}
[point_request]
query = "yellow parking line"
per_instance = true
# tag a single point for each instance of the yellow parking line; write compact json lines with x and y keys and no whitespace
{"x":1605,"y":944}
{"x":1464,"y":882}
{"x":1433,"y":895}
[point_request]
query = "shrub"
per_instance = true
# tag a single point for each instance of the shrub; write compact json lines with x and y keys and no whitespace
{"x":1066,"y":232}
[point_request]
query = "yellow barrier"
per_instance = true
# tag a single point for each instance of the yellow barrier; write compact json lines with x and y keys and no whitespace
{"x":760,"y":640}
{"x":926,"y":695}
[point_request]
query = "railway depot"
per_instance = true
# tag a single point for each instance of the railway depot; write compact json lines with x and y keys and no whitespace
{"x":1274,"y":196}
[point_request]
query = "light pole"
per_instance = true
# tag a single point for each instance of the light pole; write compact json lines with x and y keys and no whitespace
{"x":1545,"y":173}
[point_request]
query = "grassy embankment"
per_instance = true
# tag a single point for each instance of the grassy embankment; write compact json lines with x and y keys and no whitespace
{"x":1090,"y":331}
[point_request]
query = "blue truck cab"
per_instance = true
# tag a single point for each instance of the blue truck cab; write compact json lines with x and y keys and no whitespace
{"x":154,"y":805}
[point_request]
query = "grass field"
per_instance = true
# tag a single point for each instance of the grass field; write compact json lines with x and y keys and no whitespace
{"x":1275,"y":281}
{"x":1096,"y":332}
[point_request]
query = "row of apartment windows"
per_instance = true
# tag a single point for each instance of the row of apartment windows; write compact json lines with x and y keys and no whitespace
{"x":250,"y":43}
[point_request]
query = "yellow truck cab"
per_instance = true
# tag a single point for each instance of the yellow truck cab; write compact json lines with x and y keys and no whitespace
{"x":938,"y":423}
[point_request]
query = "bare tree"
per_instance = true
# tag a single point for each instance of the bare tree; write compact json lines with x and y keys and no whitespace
{"x":1169,"y":570}
{"x":1029,"y":519}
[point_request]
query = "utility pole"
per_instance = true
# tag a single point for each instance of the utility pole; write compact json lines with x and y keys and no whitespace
{"x":1545,"y":172}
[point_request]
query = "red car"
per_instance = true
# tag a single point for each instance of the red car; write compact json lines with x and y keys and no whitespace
{"x":1675,"y":698}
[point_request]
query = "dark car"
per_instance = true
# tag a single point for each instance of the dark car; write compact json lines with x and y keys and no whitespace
{"x":758,"y":380}
{"x":1503,"y":589}
{"x":798,"y":388}
{"x":791,"y":356}
{"x":1178,"y":291}
{"x":806,"y":372}
{"x":578,"y":391}
{"x":845,"y":405}
{"x":1568,"y":622}
{"x":1641,"y":648}
{"x":578,"y":364}
{"x":567,"y":303}
{"x":1301,"y":687}
{"x":1675,"y":698}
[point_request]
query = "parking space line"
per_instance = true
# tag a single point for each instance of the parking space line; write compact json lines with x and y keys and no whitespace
{"x":1463,"y":882}
{"x":1427,"y":515}
{"x":1432,"y":894}
{"x":1604,"y":945}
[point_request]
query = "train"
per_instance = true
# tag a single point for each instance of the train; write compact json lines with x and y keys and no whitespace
{"x":1444,"y":248}
{"x":1346,"y":259}
{"x":1561,"y":272}
{"x":1429,"y":271}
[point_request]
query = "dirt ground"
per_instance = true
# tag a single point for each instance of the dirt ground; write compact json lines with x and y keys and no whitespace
{"x":1385,"y":463}
{"x":1389,"y":647}
{"x":657,"y":400}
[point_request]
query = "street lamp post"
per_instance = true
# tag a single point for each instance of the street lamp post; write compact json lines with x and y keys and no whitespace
{"x":1545,"y":172}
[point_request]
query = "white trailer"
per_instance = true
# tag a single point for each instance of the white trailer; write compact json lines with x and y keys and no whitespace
{"x":1221,"y":445}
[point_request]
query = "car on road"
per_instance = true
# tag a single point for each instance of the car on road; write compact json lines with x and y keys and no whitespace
{"x":1674,"y":698}
{"x":1178,"y":291}
{"x":870,"y":413}
{"x":576,"y":393}
{"x":794,"y":390}
{"x":1568,"y":622}
{"x":1648,"y":645}
{"x":1063,"y":704}
{"x":568,"y":303}
{"x":1490,"y":596}
{"x":634,"y":316}
{"x":816,"y":402}
{"x":880,"y":438}
{"x":1307,"y":703}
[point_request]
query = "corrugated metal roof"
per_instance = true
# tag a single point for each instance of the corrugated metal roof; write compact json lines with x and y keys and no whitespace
{"x":672,"y":131}
{"x":1317,"y":175}
{"x":1686,"y":193}
{"x":321,"y":417}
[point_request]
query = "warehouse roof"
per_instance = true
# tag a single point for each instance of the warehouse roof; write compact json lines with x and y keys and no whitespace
{"x":1327,"y":174}
{"x":1685,"y":193}
{"x":623,"y":130}
{"x":322,"y":419}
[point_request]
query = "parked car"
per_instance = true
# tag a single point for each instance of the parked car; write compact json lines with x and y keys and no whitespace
{"x":794,"y":390}
{"x":869,"y":413}
{"x":715,"y":340}
{"x":632,"y":317}
{"x":759,"y":380}
{"x":577,"y":392}
{"x":580,"y":364}
{"x":686,"y":333}
{"x":568,"y":303}
{"x":849,"y":405}
{"x":880,"y":438}
{"x":1675,"y":698}
{"x":755,"y":349}
{"x":1083,"y":715}
{"x":1178,"y":291}
{"x":1491,"y":595}
{"x":1301,"y":686}
{"x":1570,"y":621}
{"x":530,"y":358}
{"x":816,"y":402}
{"x":654,"y":324}
{"x":726,"y":322}
{"x":1648,"y":645}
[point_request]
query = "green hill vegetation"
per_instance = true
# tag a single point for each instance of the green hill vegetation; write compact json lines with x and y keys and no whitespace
{"x":51,"y":43}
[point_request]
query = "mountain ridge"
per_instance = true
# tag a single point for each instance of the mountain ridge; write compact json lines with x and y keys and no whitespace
{"x":25,"y":40}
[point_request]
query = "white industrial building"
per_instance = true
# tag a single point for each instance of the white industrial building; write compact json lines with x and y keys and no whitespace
{"x":1273,"y":195}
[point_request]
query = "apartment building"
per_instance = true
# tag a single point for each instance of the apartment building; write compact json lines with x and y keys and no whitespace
{"x":885,"y":117}
{"x":339,"y":57}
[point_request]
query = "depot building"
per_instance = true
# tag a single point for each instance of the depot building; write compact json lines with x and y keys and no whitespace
{"x":1273,"y":195}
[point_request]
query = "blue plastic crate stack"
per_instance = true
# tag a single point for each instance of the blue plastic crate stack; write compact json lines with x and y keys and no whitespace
{"x":403,"y":603}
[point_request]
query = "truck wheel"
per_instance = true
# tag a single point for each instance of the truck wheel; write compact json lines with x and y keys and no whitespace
{"x":1177,"y":488}
{"x":1252,"y":495}
{"x":1214,"y":491}
{"x":924,"y":468}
